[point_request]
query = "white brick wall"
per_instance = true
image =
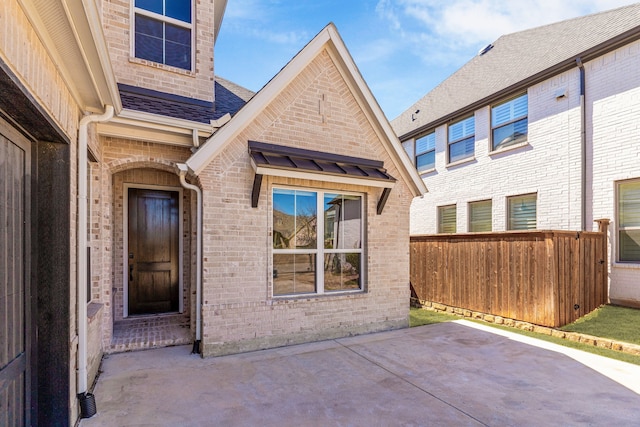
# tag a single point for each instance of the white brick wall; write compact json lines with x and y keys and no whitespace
{"x":613,"y":99}
{"x":550,"y":164}
{"x":546,"y":166}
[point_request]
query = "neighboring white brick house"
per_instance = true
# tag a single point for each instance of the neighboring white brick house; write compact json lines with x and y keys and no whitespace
{"x":543,"y":63}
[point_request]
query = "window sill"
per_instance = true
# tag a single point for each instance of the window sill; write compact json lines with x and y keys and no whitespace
{"x":627,"y":265}
{"x":285,"y":299}
{"x":509,"y":148}
{"x":461,"y":162}
{"x":426,"y":171}
{"x":162,"y":67}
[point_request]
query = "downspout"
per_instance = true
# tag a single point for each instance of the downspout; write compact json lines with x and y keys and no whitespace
{"x":81,"y":250}
{"x":583,"y":148}
{"x":182,"y":169}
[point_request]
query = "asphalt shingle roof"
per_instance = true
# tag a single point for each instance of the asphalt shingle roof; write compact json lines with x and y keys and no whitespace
{"x":515,"y":58}
{"x":229,"y":98}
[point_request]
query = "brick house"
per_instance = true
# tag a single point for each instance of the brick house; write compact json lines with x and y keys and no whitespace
{"x":154,"y":203}
{"x":540,"y":130}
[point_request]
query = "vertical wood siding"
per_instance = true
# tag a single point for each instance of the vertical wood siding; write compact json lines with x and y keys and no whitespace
{"x":548,"y":278}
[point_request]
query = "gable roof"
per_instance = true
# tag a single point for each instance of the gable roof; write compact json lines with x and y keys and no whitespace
{"x":517,"y":61}
{"x":330,"y":39}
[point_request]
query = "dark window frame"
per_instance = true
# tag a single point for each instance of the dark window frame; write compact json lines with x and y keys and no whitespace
{"x":514,"y":121}
{"x":465,"y":138}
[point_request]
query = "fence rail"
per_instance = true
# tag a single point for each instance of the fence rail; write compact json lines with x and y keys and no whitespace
{"x":548,"y":278}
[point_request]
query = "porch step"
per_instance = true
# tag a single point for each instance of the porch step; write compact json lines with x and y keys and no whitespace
{"x":144,"y":332}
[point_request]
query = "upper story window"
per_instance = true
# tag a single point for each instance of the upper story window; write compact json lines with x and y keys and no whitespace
{"x":462,"y":139}
{"x":522,"y":212}
{"x":447,"y":219}
{"x":480,"y":216}
{"x":163,"y":32}
{"x":426,"y":152}
{"x":509,"y":122}
{"x":629,"y":221}
{"x":317,"y":242}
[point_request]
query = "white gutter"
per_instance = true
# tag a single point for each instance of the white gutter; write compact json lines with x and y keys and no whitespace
{"x":81,"y":250}
{"x":183,"y":169}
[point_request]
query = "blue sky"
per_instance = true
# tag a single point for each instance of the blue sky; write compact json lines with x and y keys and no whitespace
{"x":403,"y":48}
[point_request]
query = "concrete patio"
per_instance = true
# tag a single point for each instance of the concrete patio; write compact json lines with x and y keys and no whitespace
{"x":456,"y":373}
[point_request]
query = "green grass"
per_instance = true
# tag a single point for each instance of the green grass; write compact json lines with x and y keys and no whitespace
{"x":609,"y":321}
{"x":419,"y":317}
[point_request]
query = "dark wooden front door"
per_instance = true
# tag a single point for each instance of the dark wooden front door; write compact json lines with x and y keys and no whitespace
{"x":153,"y":251}
{"x":14,"y":284}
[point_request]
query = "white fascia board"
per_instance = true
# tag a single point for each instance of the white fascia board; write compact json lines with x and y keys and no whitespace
{"x":130,"y":130}
{"x":167,"y":123}
{"x":367,"y":102}
{"x":339,"y":179}
{"x":245,"y":116}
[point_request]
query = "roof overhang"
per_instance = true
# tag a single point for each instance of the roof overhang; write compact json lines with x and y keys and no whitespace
{"x":291,"y":162}
{"x":71,"y":31}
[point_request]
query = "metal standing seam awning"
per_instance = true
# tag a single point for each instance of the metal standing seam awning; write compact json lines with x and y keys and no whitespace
{"x":291,"y":162}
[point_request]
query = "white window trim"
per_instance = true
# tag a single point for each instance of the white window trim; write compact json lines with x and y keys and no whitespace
{"x":133,"y":10}
{"x":617,"y":262}
{"x":320,"y":250}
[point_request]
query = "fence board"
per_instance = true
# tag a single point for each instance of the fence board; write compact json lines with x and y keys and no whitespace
{"x":544,"y":277}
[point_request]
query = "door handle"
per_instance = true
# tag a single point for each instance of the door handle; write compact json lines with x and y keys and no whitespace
{"x":131,"y":272}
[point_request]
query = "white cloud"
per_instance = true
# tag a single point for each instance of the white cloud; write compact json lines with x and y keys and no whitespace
{"x":456,"y":26}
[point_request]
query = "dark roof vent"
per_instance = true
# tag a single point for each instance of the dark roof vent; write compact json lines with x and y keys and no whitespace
{"x":485,"y":49}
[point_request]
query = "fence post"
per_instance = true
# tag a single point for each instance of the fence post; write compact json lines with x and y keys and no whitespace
{"x":603,"y":227}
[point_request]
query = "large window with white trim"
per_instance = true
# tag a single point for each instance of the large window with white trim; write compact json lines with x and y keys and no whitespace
{"x":163,"y":32}
{"x":629,"y":221}
{"x":462,"y":139}
{"x":317,"y":241}
{"x":509,"y":122}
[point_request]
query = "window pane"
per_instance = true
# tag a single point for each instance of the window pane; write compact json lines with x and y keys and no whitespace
{"x":426,"y":161}
{"x":284,"y":223}
{"x":341,"y":271}
{"x":630,"y":245}
{"x":510,"y":134}
{"x":629,"y":204}
{"x":461,"y":149}
{"x":178,"y":47}
{"x":343,"y":222}
{"x":480,"y":216}
{"x":426,"y":143}
{"x":522,"y":212}
{"x":306,"y":224}
{"x":462,"y":129}
{"x":447,"y":219}
{"x":178,"y":9}
{"x":150,"y":5}
{"x":148,"y":39}
{"x":509,"y":111}
{"x":294,"y":274}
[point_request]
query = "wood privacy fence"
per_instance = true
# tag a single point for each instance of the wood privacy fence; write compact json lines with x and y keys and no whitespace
{"x":548,"y":278}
